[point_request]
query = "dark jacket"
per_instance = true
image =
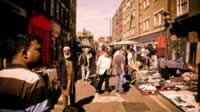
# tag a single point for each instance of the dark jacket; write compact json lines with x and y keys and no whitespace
{"x":62,"y":76}
{"x":61,"y":69}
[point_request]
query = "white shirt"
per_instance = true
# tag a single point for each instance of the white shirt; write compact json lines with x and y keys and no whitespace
{"x":104,"y":63}
{"x":144,"y":52}
{"x":130,"y":58}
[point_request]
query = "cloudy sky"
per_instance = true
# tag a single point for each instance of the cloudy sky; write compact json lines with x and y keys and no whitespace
{"x":95,"y":15}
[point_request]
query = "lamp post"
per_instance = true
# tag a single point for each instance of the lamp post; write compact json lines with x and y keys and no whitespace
{"x":110,"y":26}
{"x":168,"y":26}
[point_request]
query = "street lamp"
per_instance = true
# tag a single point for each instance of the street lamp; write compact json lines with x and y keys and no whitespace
{"x":110,"y":25}
{"x":168,"y":25}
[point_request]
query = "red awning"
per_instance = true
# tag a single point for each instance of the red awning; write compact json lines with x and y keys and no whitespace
{"x":40,"y":22}
{"x":41,"y":26}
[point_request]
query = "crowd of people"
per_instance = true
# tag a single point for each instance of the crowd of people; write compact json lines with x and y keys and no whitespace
{"x":115,"y":61}
{"x":24,"y":87}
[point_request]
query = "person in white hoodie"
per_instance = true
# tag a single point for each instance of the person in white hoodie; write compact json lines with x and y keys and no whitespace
{"x":104,"y":70}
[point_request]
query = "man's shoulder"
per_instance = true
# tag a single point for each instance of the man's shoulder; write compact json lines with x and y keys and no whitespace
{"x":102,"y":56}
{"x":20,"y":74}
{"x":119,"y":56}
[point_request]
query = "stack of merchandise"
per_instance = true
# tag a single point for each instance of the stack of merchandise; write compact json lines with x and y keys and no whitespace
{"x":147,"y":82}
{"x":183,"y":99}
{"x":169,"y":85}
{"x":147,"y":89}
{"x":154,"y":79}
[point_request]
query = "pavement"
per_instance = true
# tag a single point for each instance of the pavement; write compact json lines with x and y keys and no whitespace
{"x":132,"y":101}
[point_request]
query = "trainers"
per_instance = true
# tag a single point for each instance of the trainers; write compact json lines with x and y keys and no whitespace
{"x":106,"y":93}
{"x":99,"y":91}
{"x":121,"y":92}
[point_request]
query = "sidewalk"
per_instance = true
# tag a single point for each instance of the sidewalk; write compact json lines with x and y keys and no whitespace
{"x":132,"y":101}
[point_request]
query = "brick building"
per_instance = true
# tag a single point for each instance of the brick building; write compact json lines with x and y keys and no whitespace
{"x":175,"y":20}
{"x":140,"y":20}
{"x":86,"y":38}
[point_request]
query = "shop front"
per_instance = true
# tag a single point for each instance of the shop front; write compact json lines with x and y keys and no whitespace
{"x":188,"y":29}
{"x":159,"y":38}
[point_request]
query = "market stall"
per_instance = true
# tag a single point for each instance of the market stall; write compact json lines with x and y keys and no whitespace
{"x":180,"y":90}
{"x":185,"y":100}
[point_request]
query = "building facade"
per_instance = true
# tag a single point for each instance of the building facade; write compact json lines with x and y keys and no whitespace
{"x":176,"y":21}
{"x":117,"y":24}
{"x":85,"y":38}
{"x":186,"y":29}
{"x":141,"y":20}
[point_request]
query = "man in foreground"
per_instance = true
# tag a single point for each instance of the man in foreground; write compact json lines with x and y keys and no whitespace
{"x":20,"y":88}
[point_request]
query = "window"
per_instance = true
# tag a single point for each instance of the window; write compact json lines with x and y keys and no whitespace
{"x":140,"y":25}
{"x":131,"y":21}
{"x":182,"y":7}
{"x":128,"y":4}
{"x":132,"y":31}
{"x":124,"y":9}
{"x":146,"y":24}
{"x":57,"y":11}
{"x":140,"y":5}
{"x":132,"y":17}
{"x":158,"y":19}
{"x":52,"y":8}
{"x":126,"y":20}
{"x":146,"y":3}
{"x":133,"y":12}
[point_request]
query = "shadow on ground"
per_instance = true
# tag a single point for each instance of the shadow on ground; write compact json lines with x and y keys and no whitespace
{"x":82,"y":102}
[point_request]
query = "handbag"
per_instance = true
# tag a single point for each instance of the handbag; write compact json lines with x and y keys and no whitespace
{"x":97,"y":80}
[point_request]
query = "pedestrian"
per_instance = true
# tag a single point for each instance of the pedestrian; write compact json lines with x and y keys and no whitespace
{"x":66,"y":77}
{"x":119,"y":66}
{"x":130,"y":56}
{"x":20,"y":88}
{"x":84,"y":61}
{"x":154,"y":57}
{"x":99,"y":52}
{"x":104,"y":70}
{"x":144,"y":54}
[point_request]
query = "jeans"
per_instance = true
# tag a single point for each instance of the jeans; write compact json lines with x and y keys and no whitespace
{"x":103,"y":78}
{"x":120,"y":81}
{"x":85,"y":70}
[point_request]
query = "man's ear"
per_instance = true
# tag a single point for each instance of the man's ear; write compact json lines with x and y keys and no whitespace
{"x":24,"y":53}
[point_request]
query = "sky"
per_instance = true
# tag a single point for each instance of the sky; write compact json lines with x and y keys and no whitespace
{"x":95,"y":16}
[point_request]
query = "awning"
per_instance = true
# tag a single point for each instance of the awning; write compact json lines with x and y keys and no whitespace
{"x":125,"y":42}
{"x":40,"y":22}
{"x":183,"y":25}
{"x":41,"y":26}
{"x":149,"y":38}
